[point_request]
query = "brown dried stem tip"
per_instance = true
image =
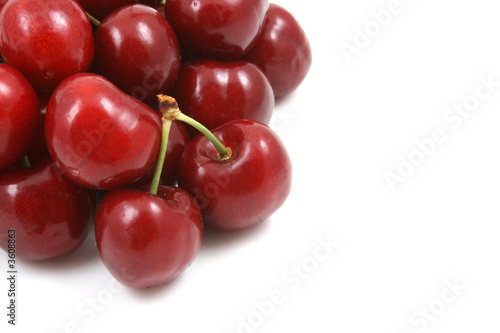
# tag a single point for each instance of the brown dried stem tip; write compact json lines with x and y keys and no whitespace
{"x":168,"y":107}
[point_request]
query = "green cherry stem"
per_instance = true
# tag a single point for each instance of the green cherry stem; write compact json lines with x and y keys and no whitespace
{"x":165,"y":132}
{"x":170,"y":110}
{"x":93,"y":20}
{"x":26,"y":162}
{"x":224,"y":152}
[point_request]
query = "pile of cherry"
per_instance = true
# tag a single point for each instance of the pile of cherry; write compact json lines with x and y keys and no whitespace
{"x":86,"y":113}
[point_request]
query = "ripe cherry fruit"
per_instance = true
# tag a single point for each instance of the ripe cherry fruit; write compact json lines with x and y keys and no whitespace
{"x":146,"y":240}
{"x":47,"y":40}
{"x":98,"y":136}
{"x":247,"y":187}
{"x":219,"y":29}
{"x":282,"y":51}
{"x":50,"y":215}
{"x":137,"y":50}
{"x":215,"y":92}
{"x":19,"y":116}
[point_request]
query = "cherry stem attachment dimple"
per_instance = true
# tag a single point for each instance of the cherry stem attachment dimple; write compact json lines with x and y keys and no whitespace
{"x":165,"y":132}
{"x":93,"y":20}
{"x":170,"y":110}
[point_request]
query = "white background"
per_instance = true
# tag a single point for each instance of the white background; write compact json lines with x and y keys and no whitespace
{"x":345,"y":128}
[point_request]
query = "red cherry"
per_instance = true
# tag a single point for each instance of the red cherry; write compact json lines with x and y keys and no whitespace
{"x":220,"y":29}
{"x":214,"y":92}
{"x":282,"y":51}
{"x":47,"y":40}
{"x":145,"y":240}
{"x":51,"y":216}
{"x":102,"y":8}
{"x":178,"y":139}
{"x":98,"y":136}
{"x":244,"y":190}
{"x":19,"y":116}
{"x":137,"y":50}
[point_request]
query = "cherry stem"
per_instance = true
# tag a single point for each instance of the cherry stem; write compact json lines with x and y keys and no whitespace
{"x":163,"y":2}
{"x":93,"y":20}
{"x":170,"y":110}
{"x":221,"y":149}
{"x":26,"y":162}
{"x":165,"y":132}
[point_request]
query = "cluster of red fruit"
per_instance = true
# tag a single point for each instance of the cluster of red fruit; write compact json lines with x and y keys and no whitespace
{"x":78,"y":118}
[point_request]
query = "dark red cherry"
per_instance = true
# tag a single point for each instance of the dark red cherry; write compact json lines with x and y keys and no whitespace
{"x":98,"y":136}
{"x":46,"y":40}
{"x":102,"y":8}
{"x":244,"y":190}
{"x":19,"y":116}
{"x":220,"y":29}
{"x":282,"y":51}
{"x":215,"y":92}
{"x":50,"y":215}
{"x":145,"y":240}
{"x":137,"y":50}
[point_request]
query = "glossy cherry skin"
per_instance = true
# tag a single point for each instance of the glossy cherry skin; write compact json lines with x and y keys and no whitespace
{"x":177,"y":140}
{"x":47,"y":40}
{"x":102,"y":8}
{"x":98,"y":136}
{"x":219,"y":29}
{"x":137,"y":50}
{"x":2,"y":3}
{"x":282,"y":51}
{"x":215,"y":92}
{"x":51,"y":216}
{"x":246,"y":189}
{"x":146,"y":240}
{"x":19,"y":116}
